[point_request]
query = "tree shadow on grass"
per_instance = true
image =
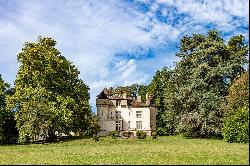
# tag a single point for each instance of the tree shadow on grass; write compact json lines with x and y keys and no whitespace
{"x":46,"y":142}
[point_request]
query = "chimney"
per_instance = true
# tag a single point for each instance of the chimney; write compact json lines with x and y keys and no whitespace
{"x":124,"y":95}
{"x":148,"y":99}
{"x":139,"y":98}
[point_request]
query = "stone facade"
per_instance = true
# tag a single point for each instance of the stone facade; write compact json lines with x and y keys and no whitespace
{"x":116,"y":113}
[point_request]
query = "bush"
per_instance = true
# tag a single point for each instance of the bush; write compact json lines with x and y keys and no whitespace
{"x":154,"y":135}
{"x":236,"y":126}
{"x":114,"y":134}
{"x":95,"y":137}
{"x":141,"y":135}
{"x":161,"y":131}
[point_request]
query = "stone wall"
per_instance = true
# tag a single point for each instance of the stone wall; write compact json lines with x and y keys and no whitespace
{"x":106,"y":115}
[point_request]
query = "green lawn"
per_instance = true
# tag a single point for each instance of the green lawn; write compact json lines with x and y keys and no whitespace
{"x":164,"y":150}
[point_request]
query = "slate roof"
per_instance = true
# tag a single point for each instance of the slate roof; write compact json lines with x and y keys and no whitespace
{"x":104,"y":102}
{"x":106,"y":94}
{"x":105,"y":97}
{"x":136,"y":103}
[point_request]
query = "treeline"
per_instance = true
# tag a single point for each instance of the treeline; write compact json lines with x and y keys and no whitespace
{"x":48,"y":98}
{"x":206,"y":94}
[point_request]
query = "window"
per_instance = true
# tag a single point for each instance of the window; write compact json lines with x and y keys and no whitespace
{"x":118,"y":102}
{"x":102,"y":113}
{"x":138,"y":114}
{"x":129,"y":113}
{"x":123,"y":106}
{"x":118,"y":125}
{"x":128,"y":125}
{"x":138,"y":124}
{"x":118,"y":114}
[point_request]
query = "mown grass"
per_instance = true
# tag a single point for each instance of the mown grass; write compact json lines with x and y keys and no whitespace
{"x":164,"y":150}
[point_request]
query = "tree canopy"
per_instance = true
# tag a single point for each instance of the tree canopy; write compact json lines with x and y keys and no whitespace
{"x":200,"y":83}
{"x":49,"y":97}
{"x":8,"y":131}
{"x":238,"y":93}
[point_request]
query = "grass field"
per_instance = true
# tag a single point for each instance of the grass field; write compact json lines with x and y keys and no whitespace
{"x":164,"y":150}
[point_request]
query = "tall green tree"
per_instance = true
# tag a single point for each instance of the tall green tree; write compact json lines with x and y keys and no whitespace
{"x":142,"y":91}
{"x":203,"y":75}
{"x":163,"y":90}
{"x":49,"y":97}
{"x":8,"y":130}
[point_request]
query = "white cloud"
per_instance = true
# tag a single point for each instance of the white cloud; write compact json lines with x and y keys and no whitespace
{"x":214,"y":11}
{"x":90,"y":33}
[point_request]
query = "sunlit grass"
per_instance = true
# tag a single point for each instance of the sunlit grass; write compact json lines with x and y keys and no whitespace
{"x":164,"y":150}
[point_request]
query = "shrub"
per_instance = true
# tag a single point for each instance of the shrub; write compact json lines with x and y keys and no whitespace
{"x":144,"y":135}
{"x":114,"y":134}
{"x":236,"y":126}
{"x":138,"y":134}
{"x":141,"y":135}
{"x":96,"y":137}
{"x":161,"y":131}
{"x":154,"y":135}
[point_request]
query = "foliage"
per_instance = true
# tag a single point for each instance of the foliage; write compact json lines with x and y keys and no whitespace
{"x":163,"y":90}
{"x":206,"y":69}
{"x":49,"y":91}
{"x":154,"y":135}
{"x":191,"y":97}
{"x":141,"y":134}
{"x":38,"y":114}
{"x":8,"y":130}
{"x":236,"y":126}
{"x":238,"y":93}
{"x":114,"y":134}
{"x":161,"y":131}
{"x":93,"y":127}
{"x":142,"y":91}
{"x":95,"y":137}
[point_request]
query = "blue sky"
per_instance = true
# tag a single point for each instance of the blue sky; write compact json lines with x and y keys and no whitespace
{"x":114,"y":42}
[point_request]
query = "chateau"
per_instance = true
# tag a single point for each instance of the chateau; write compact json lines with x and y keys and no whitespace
{"x":122,"y":113}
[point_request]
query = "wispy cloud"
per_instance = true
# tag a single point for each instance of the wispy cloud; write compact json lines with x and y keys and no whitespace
{"x":114,"y":42}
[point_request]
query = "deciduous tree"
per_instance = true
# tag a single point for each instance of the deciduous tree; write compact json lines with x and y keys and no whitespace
{"x":48,"y":93}
{"x":203,"y":75}
{"x":8,"y":130}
